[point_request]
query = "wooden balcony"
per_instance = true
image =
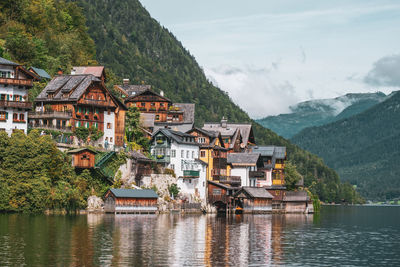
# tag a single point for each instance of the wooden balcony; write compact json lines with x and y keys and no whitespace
{"x":50,"y":115}
{"x":15,"y":104}
{"x":257,"y":174}
{"x":231,"y":180}
{"x":94,"y":102}
{"x":65,"y":129}
{"x":18,"y":82}
{"x":278,"y":182}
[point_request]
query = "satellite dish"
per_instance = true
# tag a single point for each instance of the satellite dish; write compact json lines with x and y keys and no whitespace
{"x":242,"y":145}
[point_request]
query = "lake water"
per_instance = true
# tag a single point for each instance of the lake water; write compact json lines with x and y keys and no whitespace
{"x":339,"y":236}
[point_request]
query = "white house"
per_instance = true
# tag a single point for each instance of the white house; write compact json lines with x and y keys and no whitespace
{"x":15,"y":81}
{"x":179,"y":152}
{"x":245,"y":166}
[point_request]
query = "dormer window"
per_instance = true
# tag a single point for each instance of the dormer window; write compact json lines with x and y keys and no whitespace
{"x":50,"y":95}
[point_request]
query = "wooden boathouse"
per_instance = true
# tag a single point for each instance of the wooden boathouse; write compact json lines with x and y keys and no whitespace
{"x":253,"y":200}
{"x":124,"y":201}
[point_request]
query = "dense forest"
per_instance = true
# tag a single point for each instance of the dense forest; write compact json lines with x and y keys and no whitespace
{"x":364,"y":149}
{"x":122,"y":36}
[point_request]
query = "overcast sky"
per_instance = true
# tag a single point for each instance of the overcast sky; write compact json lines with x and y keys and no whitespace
{"x":269,"y":55}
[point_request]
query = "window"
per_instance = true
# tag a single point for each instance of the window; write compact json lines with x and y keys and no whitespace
{"x":216,"y":192}
{"x":157,"y":117}
{"x":3,"y":115}
{"x":15,"y":117}
{"x":182,"y":153}
{"x":202,"y":140}
{"x":108,"y":125}
{"x":161,"y":104}
{"x":202,"y":154}
{"x":192,"y":154}
{"x":187,"y":154}
{"x":21,"y":117}
{"x":106,"y":139}
{"x":143,"y":104}
{"x":172,"y":166}
{"x":108,"y":112}
{"x":173,"y":153}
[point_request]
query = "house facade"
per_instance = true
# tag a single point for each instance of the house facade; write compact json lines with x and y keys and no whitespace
{"x":82,"y":100}
{"x":15,"y":81}
{"x":179,"y":151}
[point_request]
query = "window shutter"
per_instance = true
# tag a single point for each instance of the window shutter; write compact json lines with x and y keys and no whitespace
{"x":6,"y":115}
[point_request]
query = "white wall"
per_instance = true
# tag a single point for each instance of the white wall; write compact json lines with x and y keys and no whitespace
{"x":243,"y":172}
{"x":177,"y":160}
{"x":109,"y":133}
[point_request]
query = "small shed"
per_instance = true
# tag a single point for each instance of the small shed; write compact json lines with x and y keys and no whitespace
{"x":83,"y":158}
{"x":253,"y":200}
{"x":297,"y":202}
{"x":130,"y":201}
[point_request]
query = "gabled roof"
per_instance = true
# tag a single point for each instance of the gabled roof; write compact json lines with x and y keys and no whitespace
{"x":147,"y":91}
{"x":139,"y":156}
{"x":296,"y":196}
{"x":74,"y":151}
{"x":179,"y":127}
{"x":65,"y":84}
{"x":178,"y":137}
{"x":132,"y":89}
{"x":4,"y":61}
{"x":243,"y":159}
{"x":254,"y":192}
{"x":96,"y":71}
{"x":188,"y":111}
{"x":245,"y":130}
{"x":40,"y":72}
{"x":134,"y":193}
{"x":226,"y":187}
{"x":278,"y":152}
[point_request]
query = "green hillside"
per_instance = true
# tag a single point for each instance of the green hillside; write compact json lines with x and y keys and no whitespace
{"x":364,"y":149}
{"x":319,"y":112}
{"x":133,"y":45}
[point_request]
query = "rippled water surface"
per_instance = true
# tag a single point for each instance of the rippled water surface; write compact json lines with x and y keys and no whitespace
{"x":339,"y":236}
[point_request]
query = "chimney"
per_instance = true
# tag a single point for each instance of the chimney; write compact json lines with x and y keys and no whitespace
{"x":224,"y":122}
{"x":161,"y":93}
{"x":60,"y":72}
{"x":125,"y":81}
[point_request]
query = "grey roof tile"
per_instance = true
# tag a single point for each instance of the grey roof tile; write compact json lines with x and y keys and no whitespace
{"x":134,"y":193}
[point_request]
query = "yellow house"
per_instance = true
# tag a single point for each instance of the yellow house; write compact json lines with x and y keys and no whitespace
{"x":212,"y":152}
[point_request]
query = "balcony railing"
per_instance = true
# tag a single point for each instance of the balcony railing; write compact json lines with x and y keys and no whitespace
{"x":232,"y":180}
{"x":191,"y":174}
{"x":95,"y":102}
{"x":50,"y":115}
{"x":19,"y":82}
{"x":257,"y":174}
{"x":15,"y":104}
{"x":162,"y":159}
{"x":66,"y":129}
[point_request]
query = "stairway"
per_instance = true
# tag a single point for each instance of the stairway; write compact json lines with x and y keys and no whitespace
{"x":101,"y":167}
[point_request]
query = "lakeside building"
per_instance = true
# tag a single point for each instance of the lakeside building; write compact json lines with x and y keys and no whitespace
{"x":15,"y":81}
{"x":253,"y":200}
{"x":237,"y":137}
{"x":179,"y":151}
{"x":130,"y":201}
{"x":212,"y":152}
{"x":247,"y":166}
{"x":80,"y":100}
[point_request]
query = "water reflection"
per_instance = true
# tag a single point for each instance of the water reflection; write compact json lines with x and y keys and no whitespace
{"x":203,"y":240}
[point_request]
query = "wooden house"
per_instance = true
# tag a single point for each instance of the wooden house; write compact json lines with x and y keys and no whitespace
{"x":83,"y":158}
{"x":97,"y":71}
{"x":297,"y":202}
{"x":237,"y":136}
{"x":220,"y":195}
{"x":72,"y":101}
{"x":253,"y":200}
{"x":130,"y":201}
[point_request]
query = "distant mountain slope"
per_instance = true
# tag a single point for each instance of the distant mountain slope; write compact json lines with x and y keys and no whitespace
{"x":134,"y":45}
{"x":364,"y":149}
{"x":319,"y":112}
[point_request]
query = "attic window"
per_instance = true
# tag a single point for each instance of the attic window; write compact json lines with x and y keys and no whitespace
{"x":50,"y":95}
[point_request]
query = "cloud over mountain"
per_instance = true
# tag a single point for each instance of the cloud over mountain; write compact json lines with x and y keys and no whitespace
{"x":385,"y":72}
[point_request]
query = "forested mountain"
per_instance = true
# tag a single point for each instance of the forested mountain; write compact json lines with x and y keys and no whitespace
{"x":133,"y":45}
{"x":319,"y":112}
{"x":364,"y":149}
